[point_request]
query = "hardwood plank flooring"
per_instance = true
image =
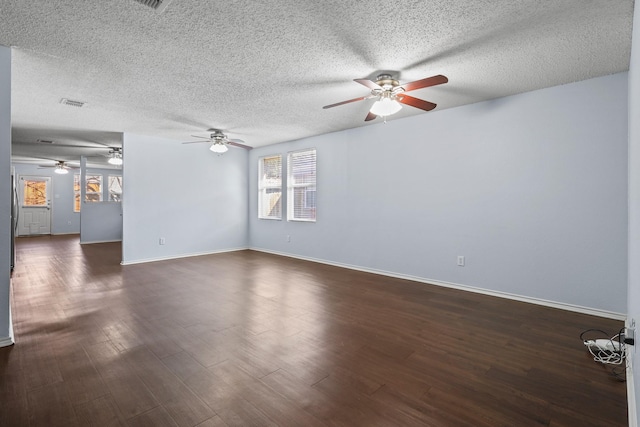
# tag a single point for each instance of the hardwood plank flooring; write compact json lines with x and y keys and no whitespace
{"x":253,"y":339}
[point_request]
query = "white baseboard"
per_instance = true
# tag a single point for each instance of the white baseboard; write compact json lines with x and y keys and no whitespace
{"x":165,"y":258}
{"x":521,"y":298}
{"x":65,"y":234}
{"x":632,"y":408}
{"x":6,"y":342}
{"x":100,"y":241}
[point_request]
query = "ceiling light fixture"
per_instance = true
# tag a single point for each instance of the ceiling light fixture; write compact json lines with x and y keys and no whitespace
{"x":385,"y":106}
{"x":116,"y":158}
{"x":219,"y":147}
{"x":60,"y":169}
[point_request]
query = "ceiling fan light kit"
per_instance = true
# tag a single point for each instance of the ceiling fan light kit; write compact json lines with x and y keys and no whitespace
{"x":385,"y":107}
{"x":60,"y":169}
{"x":116,"y":157}
{"x":390,"y":94}
{"x":219,"y":147}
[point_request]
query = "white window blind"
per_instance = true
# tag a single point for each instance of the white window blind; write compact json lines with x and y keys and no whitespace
{"x":270,"y":187}
{"x":115,"y":188}
{"x":301,"y":185}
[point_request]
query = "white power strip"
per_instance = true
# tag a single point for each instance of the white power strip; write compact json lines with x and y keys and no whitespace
{"x":607,"y":351}
{"x":605,"y":344}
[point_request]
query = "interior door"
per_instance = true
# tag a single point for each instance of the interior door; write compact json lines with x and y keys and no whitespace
{"x":34,"y":205}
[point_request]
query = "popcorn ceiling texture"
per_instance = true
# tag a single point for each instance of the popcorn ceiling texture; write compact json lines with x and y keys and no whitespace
{"x":262,"y":70}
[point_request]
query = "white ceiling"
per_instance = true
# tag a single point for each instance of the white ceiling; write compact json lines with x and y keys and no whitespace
{"x":262,"y":70}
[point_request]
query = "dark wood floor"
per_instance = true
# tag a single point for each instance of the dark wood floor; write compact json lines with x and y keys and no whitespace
{"x":251,"y":339}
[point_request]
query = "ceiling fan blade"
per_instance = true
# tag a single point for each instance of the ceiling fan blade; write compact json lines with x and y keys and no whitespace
{"x":203,"y":137}
{"x":236,"y":144}
{"x":370,"y":117}
{"x":196,"y":142}
{"x":415,"y":102}
{"x":239,"y":141}
{"x":55,"y":144}
{"x":429,"y":81}
{"x":362,"y":98}
{"x":368,"y":83}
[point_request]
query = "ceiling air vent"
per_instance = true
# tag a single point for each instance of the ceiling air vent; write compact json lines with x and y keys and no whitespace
{"x":44,"y":141}
{"x":72,"y":103}
{"x":158,"y":5}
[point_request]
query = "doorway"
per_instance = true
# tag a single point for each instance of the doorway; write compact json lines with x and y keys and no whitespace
{"x":34,"y":205}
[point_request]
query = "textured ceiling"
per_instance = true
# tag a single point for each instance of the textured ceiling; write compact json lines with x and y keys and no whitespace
{"x":262,"y":70}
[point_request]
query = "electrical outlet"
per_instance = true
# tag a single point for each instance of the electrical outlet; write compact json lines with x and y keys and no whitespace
{"x":161,"y":241}
{"x":460,"y":261}
{"x":630,"y":336}
{"x":288,"y":238}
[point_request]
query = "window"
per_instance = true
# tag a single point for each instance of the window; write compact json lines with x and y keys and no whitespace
{"x":115,"y":188}
{"x":93,"y":189}
{"x":270,"y":187}
{"x":34,"y":192}
{"x":76,"y":192}
{"x":301,"y":185}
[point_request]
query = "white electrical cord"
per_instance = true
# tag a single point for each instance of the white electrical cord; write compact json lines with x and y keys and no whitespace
{"x":610,"y":351}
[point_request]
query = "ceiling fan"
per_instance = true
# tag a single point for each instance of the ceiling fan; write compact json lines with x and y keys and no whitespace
{"x":219,"y":141}
{"x":389,"y":94}
{"x":61,"y":167}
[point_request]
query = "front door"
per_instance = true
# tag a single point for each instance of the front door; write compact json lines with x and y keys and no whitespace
{"x":34,"y":205}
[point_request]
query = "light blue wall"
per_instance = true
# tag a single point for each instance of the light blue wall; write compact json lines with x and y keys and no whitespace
{"x":633,"y":301}
{"x":5,"y":193}
{"x":101,"y":222}
{"x":193,"y":198}
{"x":531,"y":189}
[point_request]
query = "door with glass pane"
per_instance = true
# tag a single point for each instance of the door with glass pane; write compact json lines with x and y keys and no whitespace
{"x":34,"y":205}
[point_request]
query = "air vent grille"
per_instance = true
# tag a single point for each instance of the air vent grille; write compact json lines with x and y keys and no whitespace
{"x":158,"y":5}
{"x":72,"y":103}
{"x":151,"y":3}
{"x":44,"y":141}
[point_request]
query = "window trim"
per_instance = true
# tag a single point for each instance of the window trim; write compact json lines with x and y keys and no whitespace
{"x":263,"y":187}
